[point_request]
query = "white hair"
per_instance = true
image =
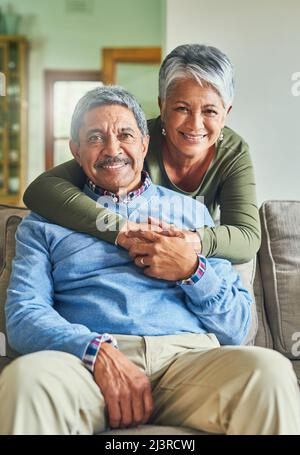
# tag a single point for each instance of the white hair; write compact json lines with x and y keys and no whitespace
{"x":103,"y":96}
{"x":207,"y":64}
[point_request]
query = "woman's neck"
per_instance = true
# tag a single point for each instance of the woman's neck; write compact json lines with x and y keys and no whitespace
{"x":186,"y":173}
{"x":178,"y":160}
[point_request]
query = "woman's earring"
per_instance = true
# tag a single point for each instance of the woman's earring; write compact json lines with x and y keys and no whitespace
{"x":163,"y":132}
{"x":221,"y":136}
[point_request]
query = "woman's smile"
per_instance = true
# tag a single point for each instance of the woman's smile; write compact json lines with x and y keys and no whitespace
{"x":193,"y":138}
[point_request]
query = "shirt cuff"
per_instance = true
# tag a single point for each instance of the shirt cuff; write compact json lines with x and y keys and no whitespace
{"x":93,"y":349}
{"x":198,"y":274}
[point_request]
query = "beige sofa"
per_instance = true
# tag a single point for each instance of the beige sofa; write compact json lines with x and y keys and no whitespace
{"x":276,"y":286}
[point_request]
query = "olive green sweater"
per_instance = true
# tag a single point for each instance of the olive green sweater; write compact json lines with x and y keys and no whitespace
{"x":228,"y":185}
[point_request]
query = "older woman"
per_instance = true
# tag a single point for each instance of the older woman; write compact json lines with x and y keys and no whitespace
{"x":191,"y":151}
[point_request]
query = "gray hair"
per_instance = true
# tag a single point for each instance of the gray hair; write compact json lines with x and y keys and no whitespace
{"x":206,"y":64}
{"x":105,"y":96}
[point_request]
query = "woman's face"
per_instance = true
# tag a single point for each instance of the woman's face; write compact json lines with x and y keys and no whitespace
{"x":193,"y":117}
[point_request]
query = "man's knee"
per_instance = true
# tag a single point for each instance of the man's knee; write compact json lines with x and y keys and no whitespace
{"x":19,"y":374}
{"x":40,"y":393}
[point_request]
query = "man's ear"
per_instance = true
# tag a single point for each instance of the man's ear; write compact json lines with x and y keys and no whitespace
{"x":75,"y":151}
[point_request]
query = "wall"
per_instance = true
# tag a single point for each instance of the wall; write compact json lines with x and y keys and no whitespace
{"x":262,"y":39}
{"x":64,"y":40}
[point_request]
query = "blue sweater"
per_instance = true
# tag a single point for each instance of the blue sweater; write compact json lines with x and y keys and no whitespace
{"x":67,"y":287}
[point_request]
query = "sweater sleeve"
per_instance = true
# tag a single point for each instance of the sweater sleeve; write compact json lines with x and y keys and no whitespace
{"x":237,"y":238}
{"x":32,"y":322}
{"x":56,"y":195}
{"x":221,"y":303}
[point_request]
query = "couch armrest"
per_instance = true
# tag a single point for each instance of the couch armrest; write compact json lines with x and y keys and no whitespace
{"x":279,"y":260}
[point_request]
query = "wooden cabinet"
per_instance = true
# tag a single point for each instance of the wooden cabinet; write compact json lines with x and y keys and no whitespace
{"x":13,"y":119}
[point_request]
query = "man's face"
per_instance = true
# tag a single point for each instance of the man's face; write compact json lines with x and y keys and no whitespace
{"x":111,"y":148}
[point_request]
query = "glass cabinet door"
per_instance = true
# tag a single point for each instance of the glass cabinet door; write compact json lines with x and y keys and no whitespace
{"x":13,"y":94}
{"x":1,"y":164}
{"x":12,"y":125}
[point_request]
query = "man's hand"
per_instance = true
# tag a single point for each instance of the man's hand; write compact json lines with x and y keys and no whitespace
{"x":163,"y":257}
{"x":126,"y":389}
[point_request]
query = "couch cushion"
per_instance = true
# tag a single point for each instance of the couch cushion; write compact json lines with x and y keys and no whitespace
{"x":10,"y":218}
{"x":263,"y":336}
{"x":279,"y":259}
{"x":247,"y":273}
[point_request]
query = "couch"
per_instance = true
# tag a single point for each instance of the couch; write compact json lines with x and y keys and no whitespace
{"x":274,"y":274}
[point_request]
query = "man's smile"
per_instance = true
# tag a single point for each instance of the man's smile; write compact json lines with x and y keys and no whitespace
{"x":112,"y":166}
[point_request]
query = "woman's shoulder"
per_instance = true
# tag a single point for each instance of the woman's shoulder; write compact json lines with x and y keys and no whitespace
{"x":232,"y":141}
{"x":233,"y":153}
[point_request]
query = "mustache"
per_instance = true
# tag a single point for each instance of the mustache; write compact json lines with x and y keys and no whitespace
{"x":109,"y":161}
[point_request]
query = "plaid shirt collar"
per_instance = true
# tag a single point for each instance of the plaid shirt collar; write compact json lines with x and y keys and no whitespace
{"x":146,"y":182}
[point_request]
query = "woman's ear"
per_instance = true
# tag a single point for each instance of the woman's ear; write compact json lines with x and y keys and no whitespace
{"x":75,"y":151}
{"x":225,"y":115}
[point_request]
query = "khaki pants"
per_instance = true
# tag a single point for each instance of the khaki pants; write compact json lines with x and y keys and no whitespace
{"x":195,"y":383}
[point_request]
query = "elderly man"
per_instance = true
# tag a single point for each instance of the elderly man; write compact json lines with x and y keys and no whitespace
{"x":106,"y":343}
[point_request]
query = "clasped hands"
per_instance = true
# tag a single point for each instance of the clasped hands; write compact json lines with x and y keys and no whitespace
{"x":164,"y":251}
